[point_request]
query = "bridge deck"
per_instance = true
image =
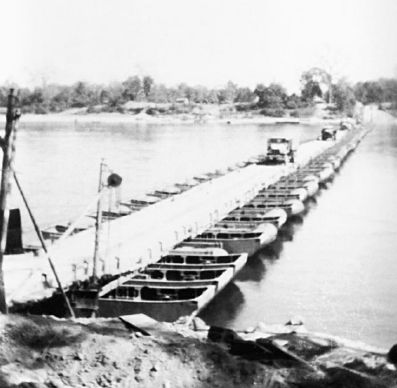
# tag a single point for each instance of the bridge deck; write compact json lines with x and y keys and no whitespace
{"x":143,"y":237}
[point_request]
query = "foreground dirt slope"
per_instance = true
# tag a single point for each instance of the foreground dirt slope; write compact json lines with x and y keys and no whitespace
{"x":39,"y":352}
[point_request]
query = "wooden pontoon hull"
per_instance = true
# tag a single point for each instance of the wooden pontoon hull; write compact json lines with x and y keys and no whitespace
{"x":276,"y":216}
{"x":311,"y":186}
{"x":270,"y":193}
{"x":243,"y":245}
{"x":171,"y":310}
{"x":293,"y":207}
{"x":161,"y":311}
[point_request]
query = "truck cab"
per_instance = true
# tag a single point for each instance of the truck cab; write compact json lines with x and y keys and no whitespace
{"x":280,"y":150}
{"x":328,"y":133}
{"x":345,"y":125}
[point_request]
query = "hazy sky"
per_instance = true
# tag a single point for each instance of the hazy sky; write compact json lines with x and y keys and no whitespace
{"x":200,"y":42}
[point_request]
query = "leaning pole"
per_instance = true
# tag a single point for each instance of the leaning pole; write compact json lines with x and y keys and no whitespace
{"x":8,"y":146}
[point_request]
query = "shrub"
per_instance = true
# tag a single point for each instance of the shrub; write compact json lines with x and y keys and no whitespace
{"x":245,"y":107}
{"x":40,"y":109}
{"x":33,"y":335}
{"x":134,"y":111}
{"x":272,"y":112}
{"x":93,"y":109}
{"x":331,"y":108}
{"x":291,"y":104}
{"x":151,"y":111}
{"x":307,"y":112}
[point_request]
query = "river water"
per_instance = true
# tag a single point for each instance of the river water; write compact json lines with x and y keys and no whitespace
{"x":336,"y":268}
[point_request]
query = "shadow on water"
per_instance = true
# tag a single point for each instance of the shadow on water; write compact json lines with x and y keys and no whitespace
{"x":229,"y":302}
{"x":326,"y":185}
{"x":254,"y":270}
{"x":295,"y":220}
{"x":224,"y":307}
{"x":311,"y":203}
{"x":287,"y":231}
{"x":272,"y":251}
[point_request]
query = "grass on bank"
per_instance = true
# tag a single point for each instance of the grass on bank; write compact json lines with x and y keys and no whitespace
{"x":43,"y":335}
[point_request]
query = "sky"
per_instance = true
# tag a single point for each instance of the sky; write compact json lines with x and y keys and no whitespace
{"x":204,"y":42}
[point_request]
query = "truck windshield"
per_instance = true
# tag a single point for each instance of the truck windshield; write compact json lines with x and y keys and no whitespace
{"x":281,"y":147}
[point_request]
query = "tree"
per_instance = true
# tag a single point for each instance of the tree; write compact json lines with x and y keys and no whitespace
{"x":389,"y":87}
{"x":313,"y":82}
{"x":131,"y":88}
{"x":293,"y":102}
{"x":344,"y":97}
{"x":183,"y":91}
{"x":158,"y":93}
{"x":200,"y":94}
{"x":80,"y":95}
{"x":212,"y":96}
{"x":230,"y":92}
{"x":272,"y":96}
{"x":114,"y":95}
{"x":244,"y":95}
{"x":369,"y":92}
{"x":147,"y":85}
{"x":104,"y":96}
{"x":3,"y":96}
{"x":37,"y":101}
{"x":311,"y":90}
{"x":62,"y":100}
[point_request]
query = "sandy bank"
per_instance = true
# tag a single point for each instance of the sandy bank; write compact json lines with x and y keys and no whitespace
{"x":41,"y":352}
{"x":145,"y":119}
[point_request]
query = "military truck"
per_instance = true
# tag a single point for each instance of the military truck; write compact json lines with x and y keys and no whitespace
{"x":279,"y":150}
{"x":328,"y":133}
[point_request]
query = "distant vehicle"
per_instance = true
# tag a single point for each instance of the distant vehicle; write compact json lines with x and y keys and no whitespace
{"x":345,"y":126}
{"x":328,"y":133}
{"x":182,"y":101}
{"x":279,"y":150}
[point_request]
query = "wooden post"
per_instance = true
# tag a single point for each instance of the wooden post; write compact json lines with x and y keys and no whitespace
{"x":98,"y":223}
{"x":8,"y":146}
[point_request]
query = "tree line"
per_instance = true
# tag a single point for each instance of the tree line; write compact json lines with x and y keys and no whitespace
{"x":272,"y":99}
{"x":57,"y":98}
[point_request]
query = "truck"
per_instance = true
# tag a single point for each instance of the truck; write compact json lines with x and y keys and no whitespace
{"x":328,"y":133}
{"x":346,"y":125}
{"x":279,"y":150}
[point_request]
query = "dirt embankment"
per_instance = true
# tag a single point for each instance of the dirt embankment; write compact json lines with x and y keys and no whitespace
{"x":39,"y":352}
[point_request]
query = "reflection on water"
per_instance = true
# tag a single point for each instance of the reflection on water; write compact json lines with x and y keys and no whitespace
{"x":340,"y":271}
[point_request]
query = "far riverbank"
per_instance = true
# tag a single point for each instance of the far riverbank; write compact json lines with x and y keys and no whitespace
{"x":145,"y":119}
